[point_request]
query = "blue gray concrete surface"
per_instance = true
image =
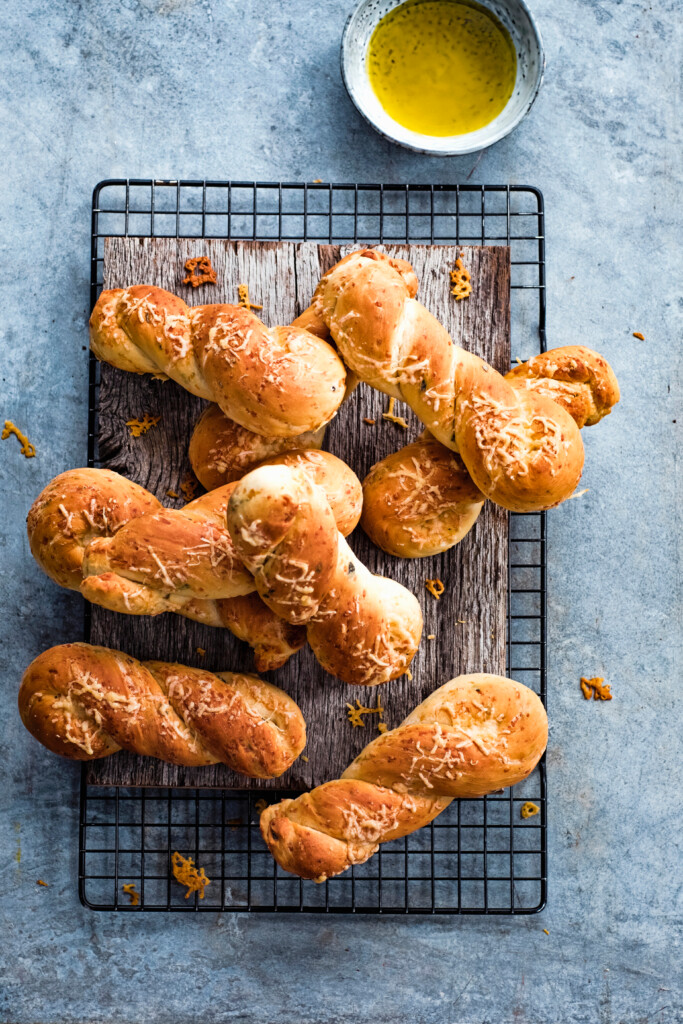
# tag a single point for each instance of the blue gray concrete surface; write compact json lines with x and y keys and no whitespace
{"x":221,"y":88}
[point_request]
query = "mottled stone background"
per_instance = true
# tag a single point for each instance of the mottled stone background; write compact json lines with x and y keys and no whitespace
{"x":219,"y":88}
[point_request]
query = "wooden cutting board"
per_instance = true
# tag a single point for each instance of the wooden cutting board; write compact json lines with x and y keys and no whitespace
{"x":468,"y":622}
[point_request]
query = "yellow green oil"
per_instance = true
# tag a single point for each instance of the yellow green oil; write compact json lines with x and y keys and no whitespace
{"x":442,"y":67}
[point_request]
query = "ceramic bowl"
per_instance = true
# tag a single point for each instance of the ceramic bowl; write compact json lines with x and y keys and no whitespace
{"x":517,"y":19}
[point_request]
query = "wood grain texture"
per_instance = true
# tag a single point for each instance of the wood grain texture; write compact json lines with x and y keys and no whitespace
{"x":469,"y":620}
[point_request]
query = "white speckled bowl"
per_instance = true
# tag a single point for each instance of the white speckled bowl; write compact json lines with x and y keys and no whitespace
{"x":519,"y":22}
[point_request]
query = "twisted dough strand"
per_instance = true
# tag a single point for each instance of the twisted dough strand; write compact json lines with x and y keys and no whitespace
{"x":474,"y":735}
{"x":522,"y":449}
{"x":86,"y":702}
{"x":279,"y":381}
{"x":362,"y":628}
{"x":575,"y":377}
{"x":221,"y":451}
{"x":94,"y":531}
{"x":421,"y":500}
{"x":83,"y":508}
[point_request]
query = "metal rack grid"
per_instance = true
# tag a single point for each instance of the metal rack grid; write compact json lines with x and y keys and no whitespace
{"x":478,"y":856}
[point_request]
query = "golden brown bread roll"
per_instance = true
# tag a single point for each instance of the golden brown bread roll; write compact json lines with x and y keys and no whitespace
{"x":95,"y":531}
{"x":522,"y":450}
{"x":222,"y":451}
{"x":85,"y":702}
{"x":280,"y":381}
{"x":475,"y":735}
{"x":362,"y":628}
{"x":575,"y":377}
{"x":419,"y":500}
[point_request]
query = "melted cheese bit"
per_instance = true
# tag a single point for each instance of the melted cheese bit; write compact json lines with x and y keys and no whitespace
{"x":186,"y":873}
{"x":27,"y":449}
{"x":392,"y":417}
{"x":139,"y":427}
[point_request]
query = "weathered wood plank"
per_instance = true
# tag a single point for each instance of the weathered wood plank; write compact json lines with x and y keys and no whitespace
{"x":282,"y":276}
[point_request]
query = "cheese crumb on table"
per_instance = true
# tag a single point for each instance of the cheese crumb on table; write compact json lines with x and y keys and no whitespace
{"x":139,"y":427}
{"x":369,"y":421}
{"x":639,"y":336}
{"x":132,"y":893}
{"x":41,"y":882}
{"x":27,"y":449}
{"x":594,"y":688}
{"x":186,"y":873}
{"x":529,"y":809}
{"x":392,"y":417}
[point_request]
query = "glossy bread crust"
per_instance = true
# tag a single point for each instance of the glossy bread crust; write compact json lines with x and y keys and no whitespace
{"x":85,"y":702}
{"x":474,"y":735}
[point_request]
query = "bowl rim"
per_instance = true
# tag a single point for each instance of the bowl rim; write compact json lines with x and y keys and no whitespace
{"x":458,"y":150}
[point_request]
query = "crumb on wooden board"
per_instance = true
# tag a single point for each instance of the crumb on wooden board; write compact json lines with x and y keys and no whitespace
{"x":391,"y":416}
{"x":199,"y":271}
{"x":435,"y":587}
{"x":138,"y":427}
{"x":461,"y":280}
{"x":243,"y":298}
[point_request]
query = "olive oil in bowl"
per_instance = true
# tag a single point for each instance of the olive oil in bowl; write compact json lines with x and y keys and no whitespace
{"x":442,"y":67}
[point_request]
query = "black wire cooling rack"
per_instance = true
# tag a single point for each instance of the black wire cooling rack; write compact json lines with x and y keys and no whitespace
{"x":479,"y":856}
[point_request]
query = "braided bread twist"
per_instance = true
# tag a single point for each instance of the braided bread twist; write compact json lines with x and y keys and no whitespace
{"x":86,"y":702}
{"x":362,"y":628}
{"x":94,"y":531}
{"x":522,"y":450}
{"x":475,"y":735}
{"x":279,"y":381}
{"x":421,"y":500}
{"x":575,"y":377}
